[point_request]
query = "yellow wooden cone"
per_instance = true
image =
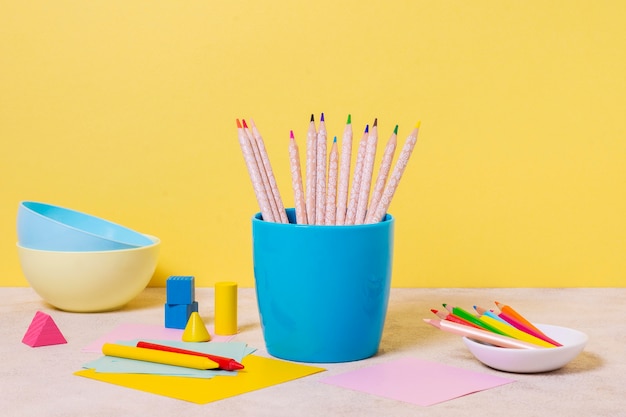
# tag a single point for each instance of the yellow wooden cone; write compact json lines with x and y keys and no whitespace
{"x":195,"y":331}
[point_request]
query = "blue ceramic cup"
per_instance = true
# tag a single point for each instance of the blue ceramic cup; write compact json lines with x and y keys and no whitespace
{"x":322,"y":291}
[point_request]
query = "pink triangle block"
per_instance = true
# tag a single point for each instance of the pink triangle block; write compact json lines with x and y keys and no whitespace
{"x":43,"y":331}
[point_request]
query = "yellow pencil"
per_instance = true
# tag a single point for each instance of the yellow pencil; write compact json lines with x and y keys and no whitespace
{"x":515,"y":333}
{"x":157,"y":356}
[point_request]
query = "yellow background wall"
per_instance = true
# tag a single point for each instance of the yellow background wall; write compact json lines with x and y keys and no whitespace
{"x":126,"y":110}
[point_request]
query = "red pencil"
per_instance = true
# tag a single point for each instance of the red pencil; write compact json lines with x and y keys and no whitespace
{"x":226,"y":364}
{"x":451,"y":317}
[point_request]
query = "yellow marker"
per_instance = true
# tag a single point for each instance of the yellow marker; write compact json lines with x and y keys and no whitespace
{"x":226,"y":308}
{"x":515,"y":333}
{"x":157,"y":356}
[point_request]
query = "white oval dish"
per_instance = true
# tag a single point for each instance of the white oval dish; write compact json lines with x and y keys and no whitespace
{"x":531,"y":360}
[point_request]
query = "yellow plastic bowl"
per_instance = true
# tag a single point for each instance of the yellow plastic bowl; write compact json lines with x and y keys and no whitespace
{"x":89,"y":281}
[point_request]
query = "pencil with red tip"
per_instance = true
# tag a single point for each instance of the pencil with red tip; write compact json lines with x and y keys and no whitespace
{"x":227,"y":364}
{"x":445,"y":315}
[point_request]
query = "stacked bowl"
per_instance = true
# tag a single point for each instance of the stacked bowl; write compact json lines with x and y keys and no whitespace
{"x":82,"y":263}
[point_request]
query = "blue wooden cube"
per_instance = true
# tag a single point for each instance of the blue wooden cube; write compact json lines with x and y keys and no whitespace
{"x":180,"y":289}
{"x":177,"y":315}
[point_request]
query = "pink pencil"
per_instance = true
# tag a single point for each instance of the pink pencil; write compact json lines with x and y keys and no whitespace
{"x":482,"y":335}
{"x":356,"y":179}
{"x":385,"y":167}
{"x":344,"y":173}
{"x":320,"y":186}
{"x":521,"y":326}
{"x":254,"y":174}
{"x":366,"y":176}
{"x":311,"y":170}
{"x":331,"y":191}
{"x":296,"y":181}
{"x":377,"y":214}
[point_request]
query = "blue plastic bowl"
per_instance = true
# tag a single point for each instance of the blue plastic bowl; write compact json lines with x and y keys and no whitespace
{"x":48,"y":227}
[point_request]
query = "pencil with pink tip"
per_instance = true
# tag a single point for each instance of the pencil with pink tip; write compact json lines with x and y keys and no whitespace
{"x":296,"y":180}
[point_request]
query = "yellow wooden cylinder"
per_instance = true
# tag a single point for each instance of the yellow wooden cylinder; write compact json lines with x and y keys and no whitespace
{"x":225,"y":308}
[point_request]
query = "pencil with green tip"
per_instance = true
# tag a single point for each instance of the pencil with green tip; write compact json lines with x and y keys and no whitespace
{"x":466,"y":315}
{"x":344,"y":173}
{"x":377,"y":214}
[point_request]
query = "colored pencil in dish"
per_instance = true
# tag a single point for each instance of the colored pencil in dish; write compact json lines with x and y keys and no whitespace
{"x":311,"y":170}
{"x":527,"y":329}
{"x":366,"y":175}
{"x":227,"y":364}
{"x":480,"y":334}
{"x":511,"y":331}
{"x":510,"y":312}
{"x":484,"y":312}
{"x":446,"y":315}
{"x":344,"y":173}
{"x":296,"y":180}
{"x":331,"y":189}
{"x":466,"y":315}
{"x":254,"y":174}
{"x":396,"y":176}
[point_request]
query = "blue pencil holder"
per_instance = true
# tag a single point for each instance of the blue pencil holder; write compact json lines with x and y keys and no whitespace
{"x":322,"y":291}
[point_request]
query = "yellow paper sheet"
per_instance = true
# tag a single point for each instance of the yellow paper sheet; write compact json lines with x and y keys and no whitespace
{"x":259,"y":373}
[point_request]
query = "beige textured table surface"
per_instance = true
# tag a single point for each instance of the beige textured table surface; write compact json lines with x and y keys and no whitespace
{"x":40,"y":381}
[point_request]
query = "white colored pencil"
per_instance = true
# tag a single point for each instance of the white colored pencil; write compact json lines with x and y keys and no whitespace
{"x":379,"y":212}
{"x":383,"y":171}
{"x":344,"y":173}
{"x":356,"y":179}
{"x":331,"y":189}
{"x":320,"y":176}
{"x":254,"y":174}
{"x":296,"y":181}
{"x":366,"y":176}
{"x":278,"y":201}
{"x":311,"y":170}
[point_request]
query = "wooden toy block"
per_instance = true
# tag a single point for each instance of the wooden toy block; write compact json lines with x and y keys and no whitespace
{"x":180,"y":289}
{"x":43,"y":331}
{"x":196,"y":331}
{"x":177,"y":315}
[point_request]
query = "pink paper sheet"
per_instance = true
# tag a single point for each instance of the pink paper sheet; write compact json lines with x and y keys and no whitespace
{"x":144,"y":331}
{"x":416,"y":381}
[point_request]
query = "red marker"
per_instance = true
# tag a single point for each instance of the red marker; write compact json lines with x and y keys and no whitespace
{"x":226,"y":364}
